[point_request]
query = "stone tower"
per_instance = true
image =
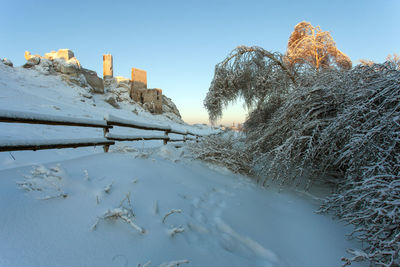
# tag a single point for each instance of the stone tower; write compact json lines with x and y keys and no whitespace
{"x":139,"y":79}
{"x":107,"y":66}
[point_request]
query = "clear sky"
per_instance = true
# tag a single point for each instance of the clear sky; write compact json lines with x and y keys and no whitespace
{"x":179,"y":42}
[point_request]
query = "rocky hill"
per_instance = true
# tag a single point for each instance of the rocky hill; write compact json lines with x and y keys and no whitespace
{"x":114,"y":91}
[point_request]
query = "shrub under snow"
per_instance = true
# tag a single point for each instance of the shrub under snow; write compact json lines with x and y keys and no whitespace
{"x":226,"y":149}
{"x":343,"y":128}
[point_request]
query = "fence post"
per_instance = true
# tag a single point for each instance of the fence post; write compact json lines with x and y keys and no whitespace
{"x":184,"y":138}
{"x":165,"y":140}
{"x":197,"y":138}
{"x":106,"y":147}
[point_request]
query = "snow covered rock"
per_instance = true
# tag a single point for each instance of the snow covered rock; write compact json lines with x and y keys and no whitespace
{"x":35,"y":60}
{"x":123,"y":82}
{"x":110,"y":100}
{"x":62,"y":61}
{"x":109,"y":84}
{"x":93,"y":80}
{"x":170,"y":107}
{"x":75,"y":78}
{"x":67,"y":67}
{"x":7,"y":62}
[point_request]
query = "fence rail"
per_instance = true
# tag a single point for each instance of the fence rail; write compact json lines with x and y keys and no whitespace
{"x":108,"y":123}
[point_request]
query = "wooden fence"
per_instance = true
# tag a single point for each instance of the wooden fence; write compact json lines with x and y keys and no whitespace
{"x":108,"y":123}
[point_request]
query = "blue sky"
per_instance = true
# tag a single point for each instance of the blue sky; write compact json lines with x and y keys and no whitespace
{"x":179,"y":42}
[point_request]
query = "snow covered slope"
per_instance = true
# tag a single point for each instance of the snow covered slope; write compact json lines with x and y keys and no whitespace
{"x":141,"y":203}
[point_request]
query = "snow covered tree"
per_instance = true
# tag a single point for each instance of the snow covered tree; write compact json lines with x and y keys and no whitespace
{"x":314,"y":118}
{"x":310,"y":45}
{"x":394,"y":61}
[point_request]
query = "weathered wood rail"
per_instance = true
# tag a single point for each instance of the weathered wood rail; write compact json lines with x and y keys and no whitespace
{"x":108,"y":123}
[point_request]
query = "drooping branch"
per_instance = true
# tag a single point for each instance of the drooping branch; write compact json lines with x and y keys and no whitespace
{"x":251,"y":73}
{"x":274,"y":57}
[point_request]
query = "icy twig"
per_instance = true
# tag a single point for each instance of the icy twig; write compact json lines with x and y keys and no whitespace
{"x":86,"y":173}
{"x":174,"y":263}
{"x":127,"y":198}
{"x":123,"y":212}
{"x":94,"y":226}
{"x":61,"y":195}
{"x":172,"y":232}
{"x":358,"y":256}
{"x":107,"y":188}
{"x":134,"y":226}
{"x":155,"y":207}
{"x":147,"y":264}
{"x":119,"y":213}
{"x":169,"y":213}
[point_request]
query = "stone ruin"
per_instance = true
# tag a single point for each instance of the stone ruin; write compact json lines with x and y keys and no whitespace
{"x":108,"y":71}
{"x":140,"y":93}
{"x":151,"y":99}
{"x":64,"y":63}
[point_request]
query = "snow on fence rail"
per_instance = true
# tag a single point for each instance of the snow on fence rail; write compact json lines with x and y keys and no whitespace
{"x":52,"y":144}
{"x":118,"y":137}
{"x":36,"y":118}
{"x":107,"y":124}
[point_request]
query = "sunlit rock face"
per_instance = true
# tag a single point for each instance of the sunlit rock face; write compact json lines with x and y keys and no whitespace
{"x":66,"y":54}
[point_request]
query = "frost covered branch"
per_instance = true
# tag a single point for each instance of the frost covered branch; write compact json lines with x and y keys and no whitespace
{"x":124,"y":212}
{"x":169,"y":213}
{"x":176,"y":230}
{"x":251,"y":73}
{"x":108,"y":187}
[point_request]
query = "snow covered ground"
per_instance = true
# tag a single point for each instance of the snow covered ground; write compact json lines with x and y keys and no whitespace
{"x":48,"y":214}
{"x":141,"y":203}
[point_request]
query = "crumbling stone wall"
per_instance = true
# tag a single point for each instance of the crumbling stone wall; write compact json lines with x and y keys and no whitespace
{"x":149,"y":98}
{"x":61,"y":53}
